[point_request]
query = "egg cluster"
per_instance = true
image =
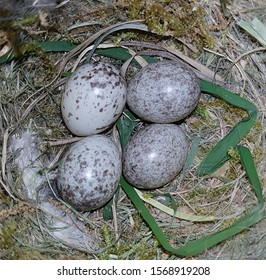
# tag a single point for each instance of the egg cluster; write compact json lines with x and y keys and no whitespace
{"x":95,"y":96}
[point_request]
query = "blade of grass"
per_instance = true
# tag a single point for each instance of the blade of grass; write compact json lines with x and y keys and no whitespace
{"x":125,"y":125}
{"x":196,"y":246}
{"x":255,"y":28}
{"x":218,"y":155}
{"x":122,"y":54}
{"x":56,"y":46}
{"x":6,"y":57}
{"x":256,"y":214}
{"x":173,"y":211}
{"x":133,"y":25}
{"x":190,"y":157}
{"x":250,"y":168}
{"x":49,"y":46}
{"x":107,"y":209}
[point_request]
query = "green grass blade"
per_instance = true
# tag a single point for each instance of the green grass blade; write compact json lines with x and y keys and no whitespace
{"x":191,"y":156}
{"x":107,"y":209}
{"x":133,"y":25}
{"x":218,"y":155}
{"x":49,"y":46}
{"x":196,"y":246}
{"x":125,"y":125}
{"x":130,"y":191}
{"x":6,"y":57}
{"x":200,"y":245}
{"x":56,"y":46}
{"x":255,"y":28}
{"x":173,"y":212}
{"x":117,"y":53}
{"x":226,"y":95}
{"x":250,"y":168}
{"x":122,"y":54}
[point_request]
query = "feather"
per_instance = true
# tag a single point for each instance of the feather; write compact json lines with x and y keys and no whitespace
{"x":24,"y":148}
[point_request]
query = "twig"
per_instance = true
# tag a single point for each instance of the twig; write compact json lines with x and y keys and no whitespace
{"x":62,"y":141}
{"x":115,"y":219}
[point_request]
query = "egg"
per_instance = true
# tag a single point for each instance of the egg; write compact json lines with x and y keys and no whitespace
{"x":155,"y":155}
{"x":94,"y":98}
{"x":163,"y":92}
{"x":89,"y":173}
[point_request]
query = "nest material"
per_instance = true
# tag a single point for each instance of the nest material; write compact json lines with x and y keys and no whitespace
{"x":27,"y":103}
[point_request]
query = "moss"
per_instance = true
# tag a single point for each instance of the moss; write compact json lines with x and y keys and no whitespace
{"x":6,"y":234}
{"x":209,"y":111}
{"x":233,"y":154}
{"x":128,"y":248}
{"x":204,"y":114}
{"x":4,"y":198}
{"x":201,"y":119}
{"x":258,"y":154}
{"x":227,"y":223}
{"x":135,"y":8}
{"x":173,"y":18}
{"x":209,"y":194}
{"x":229,"y":113}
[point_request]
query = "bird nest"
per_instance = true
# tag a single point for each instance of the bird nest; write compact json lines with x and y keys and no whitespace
{"x":38,"y":224}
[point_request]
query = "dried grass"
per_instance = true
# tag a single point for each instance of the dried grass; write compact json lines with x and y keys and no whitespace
{"x":29,"y":100}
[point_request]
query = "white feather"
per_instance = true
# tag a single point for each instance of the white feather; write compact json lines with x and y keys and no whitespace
{"x":25,"y":151}
{"x":26,"y":157}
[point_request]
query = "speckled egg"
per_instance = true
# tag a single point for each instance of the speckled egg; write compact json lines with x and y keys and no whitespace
{"x":89,"y":173}
{"x":94,"y":98}
{"x":163,"y":92}
{"x":154,"y":155}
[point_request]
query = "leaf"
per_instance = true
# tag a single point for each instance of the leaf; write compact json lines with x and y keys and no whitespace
{"x":218,"y":155}
{"x":196,"y":246}
{"x":133,"y":25}
{"x":125,"y":125}
{"x":255,"y":28}
{"x":250,"y":168}
{"x":56,"y":46}
{"x":225,"y":10}
{"x":173,"y":211}
{"x":98,"y":37}
{"x":6,"y":57}
{"x":49,"y":46}
{"x":121,"y":54}
{"x":107,"y":209}
{"x":191,"y":156}
{"x":215,"y":158}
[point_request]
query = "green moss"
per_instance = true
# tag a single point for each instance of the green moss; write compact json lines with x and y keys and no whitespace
{"x":173,"y":18}
{"x":29,"y":20}
{"x":233,"y":154}
{"x":138,"y":251}
{"x":6,"y":234}
{"x":4,"y":198}
{"x":135,"y":8}
{"x":205,"y":120}
{"x":208,"y":194}
{"x":129,"y":248}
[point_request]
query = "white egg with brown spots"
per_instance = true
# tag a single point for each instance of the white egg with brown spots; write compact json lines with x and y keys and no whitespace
{"x":89,"y":173}
{"x":94,"y":98}
{"x":163,"y":92}
{"x":155,"y":155}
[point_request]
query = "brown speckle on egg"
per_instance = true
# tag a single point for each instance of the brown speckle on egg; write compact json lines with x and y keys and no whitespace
{"x":154,"y":155}
{"x":163,"y":92}
{"x":89,"y":173}
{"x":96,"y":85}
